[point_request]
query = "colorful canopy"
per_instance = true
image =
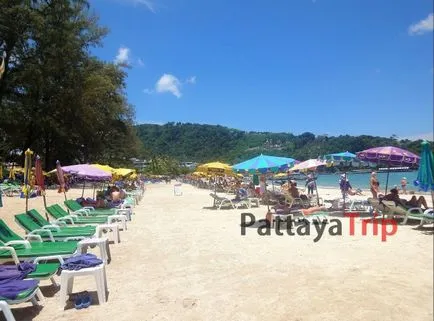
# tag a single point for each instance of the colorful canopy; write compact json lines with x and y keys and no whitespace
{"x":123,"y":171}
{"x":106,"y":168}
{"x":87,"y":172}
{"x":215,"y":168}
{"x":344,"y":156}
{"x":264,"y":164}
{"x":389,"y":155}
{"x":425,"y":174}
{"x":309,"y":164}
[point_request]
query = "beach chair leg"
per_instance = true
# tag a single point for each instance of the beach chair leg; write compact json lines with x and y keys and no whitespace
{"x":4,"y":307}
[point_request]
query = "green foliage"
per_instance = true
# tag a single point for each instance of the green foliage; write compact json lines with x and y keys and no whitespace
{"x":56,"y":98}
{"x":204,"y":143}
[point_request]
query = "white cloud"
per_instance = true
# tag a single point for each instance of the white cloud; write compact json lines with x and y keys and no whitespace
{"x":191,"y":80}
{"x":150,"y":5}
{"x":423,"y":26}
{"x":169,"y":84}
{"x":148,"y":91}
{"x":123,"y":56}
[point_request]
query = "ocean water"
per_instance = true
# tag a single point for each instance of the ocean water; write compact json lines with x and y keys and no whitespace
{"x":361,"y":180}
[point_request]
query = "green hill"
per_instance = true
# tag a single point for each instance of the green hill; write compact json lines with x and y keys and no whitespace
{"x":202,"y":143}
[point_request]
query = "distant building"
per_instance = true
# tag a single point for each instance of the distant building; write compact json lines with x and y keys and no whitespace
{"x":140,"y":163}
{"x":189,"y":165}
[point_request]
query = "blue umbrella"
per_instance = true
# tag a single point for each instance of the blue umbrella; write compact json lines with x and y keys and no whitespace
{"x":425,"y":174}
{"x":264,"y":164}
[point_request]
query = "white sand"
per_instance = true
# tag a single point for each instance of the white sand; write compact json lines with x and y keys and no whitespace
{"x":179,"y":261}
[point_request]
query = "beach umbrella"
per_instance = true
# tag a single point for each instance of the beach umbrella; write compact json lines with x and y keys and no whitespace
{"x":27,"y":172}
{"x":344,"y":159}
{"x":12,"y":174}
{"x":264,"y":164}
{"x":309,"y":165}
{"x":215,"y":168}
{"x":389,"y":155}
{"x":60,"y":179}
{"x":425,"y":174}
{"x":39,"y":176}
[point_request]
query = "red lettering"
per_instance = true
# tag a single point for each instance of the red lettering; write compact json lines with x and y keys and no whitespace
{"x":384,"y":232}
{"x":352,"y":216}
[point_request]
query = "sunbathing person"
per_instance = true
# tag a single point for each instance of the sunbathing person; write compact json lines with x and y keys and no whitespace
{"x":413,"y":202}
{"x":346,"y":187}
{"x":305,"y":211}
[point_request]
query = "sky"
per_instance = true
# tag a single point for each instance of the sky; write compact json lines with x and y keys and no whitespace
{"x":330,"y":67}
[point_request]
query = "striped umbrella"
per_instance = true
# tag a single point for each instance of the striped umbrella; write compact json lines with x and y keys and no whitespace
{"x":27,"y":172}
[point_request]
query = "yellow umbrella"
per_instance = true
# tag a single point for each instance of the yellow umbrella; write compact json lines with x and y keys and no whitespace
{"x":123,"y":171}
{"x":105,"y":168}
{"x":281,"y":175}
{"x":27,"y":174}
{"x":215,"y":168}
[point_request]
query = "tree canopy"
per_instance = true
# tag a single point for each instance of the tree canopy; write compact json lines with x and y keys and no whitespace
{"x":203,"y":143}
{"x":55,"y":97}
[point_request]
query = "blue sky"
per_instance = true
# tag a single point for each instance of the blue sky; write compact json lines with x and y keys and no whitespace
{"x":325,"y":66}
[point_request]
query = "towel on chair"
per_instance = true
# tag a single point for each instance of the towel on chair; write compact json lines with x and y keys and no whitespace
{"x":81,"y":262}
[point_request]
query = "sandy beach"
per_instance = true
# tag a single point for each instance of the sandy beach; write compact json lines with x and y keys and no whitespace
{"x":180,"y":260}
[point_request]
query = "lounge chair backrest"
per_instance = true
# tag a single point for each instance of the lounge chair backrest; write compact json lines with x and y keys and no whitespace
{"x":56,"y":211}
{"x":72,"y":205}
{"x":26,"y":222}
{"x":6,"y":234}
{"x":38,"y":218}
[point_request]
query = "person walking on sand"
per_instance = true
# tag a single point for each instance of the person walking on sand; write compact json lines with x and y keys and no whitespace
{"x":374,"y":184}
{"x":404,"y":185}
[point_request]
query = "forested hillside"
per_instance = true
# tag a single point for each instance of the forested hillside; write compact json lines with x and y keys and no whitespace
{"x":201,"y":143}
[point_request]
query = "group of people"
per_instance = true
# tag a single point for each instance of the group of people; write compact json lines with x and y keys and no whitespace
{"x":394,"y":194}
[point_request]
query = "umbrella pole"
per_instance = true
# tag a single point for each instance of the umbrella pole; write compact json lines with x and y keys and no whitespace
{"x":93,"y":195}
{"x":345,"y":182}
{"x":387,"y":179}
{"x":82,"y":191}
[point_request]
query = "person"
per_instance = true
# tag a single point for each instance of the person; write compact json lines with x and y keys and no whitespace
{"x":413,"y":202}
{"x":262,"y":184}
{"x":346,"y":187}
{"x":404,"y":185}
{"x":374,"y":184}
{"x":294,"y":192}
{"x":310,"y":184}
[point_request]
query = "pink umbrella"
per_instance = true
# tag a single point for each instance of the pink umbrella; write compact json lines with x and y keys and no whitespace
{"x":309,"y":164}
{"x":389,"y":155}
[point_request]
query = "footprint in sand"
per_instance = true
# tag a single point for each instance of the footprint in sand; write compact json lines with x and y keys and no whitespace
{"x":189,"y":303}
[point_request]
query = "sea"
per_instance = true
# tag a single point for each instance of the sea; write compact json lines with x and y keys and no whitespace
{"x":361,"y":180}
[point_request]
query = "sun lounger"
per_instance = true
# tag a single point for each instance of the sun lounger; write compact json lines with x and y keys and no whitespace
{"x":315,"y":218}
{"x":43,"y":223}
{"x":52,"y":233}
{"x":24,"y":296}
{"x":76,"y":207}
{"x":25,"y":249}
{"x":58,"y":213}
{"x":220,"y":202}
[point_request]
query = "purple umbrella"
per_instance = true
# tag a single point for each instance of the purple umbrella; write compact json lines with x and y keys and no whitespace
{"x":87,"y":172}
{"x":390,"y":155}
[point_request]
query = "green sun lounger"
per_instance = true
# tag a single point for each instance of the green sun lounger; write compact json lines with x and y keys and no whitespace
{"x":58,"y":213}
{"x":42,"y":222}
{"x":31,"y":250}
{"x":53,"y":233}
{"x":24,"y":296}
{"x":75,"y":206}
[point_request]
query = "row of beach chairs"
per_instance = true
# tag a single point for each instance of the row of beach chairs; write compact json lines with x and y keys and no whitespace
{"x":47,"y":243}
